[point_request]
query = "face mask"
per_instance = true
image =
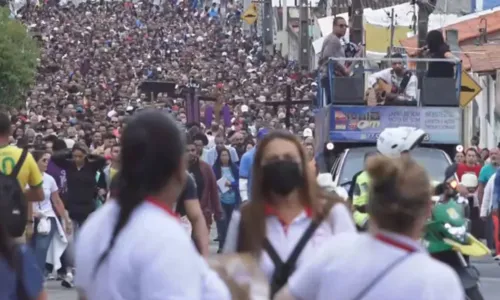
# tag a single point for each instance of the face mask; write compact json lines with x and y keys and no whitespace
{"x":282,"y":177}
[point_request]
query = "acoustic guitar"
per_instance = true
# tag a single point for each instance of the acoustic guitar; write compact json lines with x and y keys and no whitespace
{"x":377,"y":94}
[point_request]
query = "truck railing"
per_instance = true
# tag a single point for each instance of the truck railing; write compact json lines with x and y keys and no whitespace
{"x":361,"y":67}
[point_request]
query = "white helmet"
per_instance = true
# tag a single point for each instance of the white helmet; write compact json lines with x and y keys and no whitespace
{"x":393,"y":141}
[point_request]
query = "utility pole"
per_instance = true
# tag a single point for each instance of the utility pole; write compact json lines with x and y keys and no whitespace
{"x":392,"y":18}
{"x":334,"y":8}
{"x":356,"y":15}
{"x":267,"y":24}
{"x":285,"y":19}
{"x":304,"y":56}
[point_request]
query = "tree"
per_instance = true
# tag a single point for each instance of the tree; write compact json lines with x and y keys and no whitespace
{"x":18,"y":60}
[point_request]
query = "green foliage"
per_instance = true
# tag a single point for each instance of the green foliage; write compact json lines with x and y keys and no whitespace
{"x":18,"y":60}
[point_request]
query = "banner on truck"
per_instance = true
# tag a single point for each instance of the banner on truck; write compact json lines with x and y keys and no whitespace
{"x":364,"y":124}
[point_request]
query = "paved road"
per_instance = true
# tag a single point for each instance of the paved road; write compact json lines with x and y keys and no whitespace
{"x":488,"y":268}
{"x":490,"y":282}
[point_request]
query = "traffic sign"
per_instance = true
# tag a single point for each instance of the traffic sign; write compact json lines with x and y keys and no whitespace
{"x":250,"y":15}
{"x":469,"y":89}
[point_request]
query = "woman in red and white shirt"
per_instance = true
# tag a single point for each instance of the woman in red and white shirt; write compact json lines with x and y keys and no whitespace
{"x":284,"y":202}
{"x":135,"y":247}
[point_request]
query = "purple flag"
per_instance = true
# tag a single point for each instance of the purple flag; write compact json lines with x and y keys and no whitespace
{"x":227,"y":115}
{"x":209,"y":115}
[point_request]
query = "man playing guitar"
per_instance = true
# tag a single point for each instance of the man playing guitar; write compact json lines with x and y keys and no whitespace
{"x":395,"y":84}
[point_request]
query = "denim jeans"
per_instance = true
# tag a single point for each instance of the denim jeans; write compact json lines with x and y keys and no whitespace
{"x":41,"y":242}
{"x":223,"y":224}
{"x":69,"y":254}
{"x":489,"y":232}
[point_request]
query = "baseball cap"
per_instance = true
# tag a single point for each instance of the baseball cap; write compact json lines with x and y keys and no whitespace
{"x":469,"y":180}
{"x":262,"y":133}
{"x":307,"y":132}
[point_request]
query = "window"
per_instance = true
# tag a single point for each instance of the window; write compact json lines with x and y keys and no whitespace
{"x":435,"y":163}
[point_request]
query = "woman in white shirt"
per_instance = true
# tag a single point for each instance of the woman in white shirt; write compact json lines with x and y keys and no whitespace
{"x":135,"y":247}
{"x":49,"y":209}
{"x":388,"y":262}
{"x":284,"y":204}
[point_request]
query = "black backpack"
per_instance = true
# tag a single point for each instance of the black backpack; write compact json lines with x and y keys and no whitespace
{"x":13,"y":206}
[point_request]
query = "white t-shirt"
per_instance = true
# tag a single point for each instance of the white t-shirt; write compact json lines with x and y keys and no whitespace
{"x":350,"y":262}
{"x":488,"y":196}
{"x":49,"y":186}
{"x":284,"y":240}
{"x":153,"y":258}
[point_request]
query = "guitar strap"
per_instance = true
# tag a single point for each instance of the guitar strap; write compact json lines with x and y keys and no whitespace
{"x":404,"y":83}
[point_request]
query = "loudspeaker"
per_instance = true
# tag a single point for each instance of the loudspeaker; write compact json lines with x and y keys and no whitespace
{"x":439,"y":92}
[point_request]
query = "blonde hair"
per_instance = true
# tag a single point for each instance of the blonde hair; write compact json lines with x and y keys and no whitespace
{"x":400,"y":192}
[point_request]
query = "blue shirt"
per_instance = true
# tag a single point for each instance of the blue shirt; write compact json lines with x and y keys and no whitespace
{"x":213,"y":13}
{"x":496,"y":192}
{"x":32,"y":277}
{"x":228,"y":197}
{"x":246,"y":164}
{"x":486,"y":173}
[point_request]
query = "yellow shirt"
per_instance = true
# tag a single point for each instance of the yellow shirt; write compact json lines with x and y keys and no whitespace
{"x":29,"y":173}
{"x":112,"y":173}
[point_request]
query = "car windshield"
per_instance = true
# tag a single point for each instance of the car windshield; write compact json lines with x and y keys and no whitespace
{"x":435,"y":162}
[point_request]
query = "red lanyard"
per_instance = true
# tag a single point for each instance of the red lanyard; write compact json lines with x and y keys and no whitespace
{"x":392,"y":242}
{"x":161,"y":205}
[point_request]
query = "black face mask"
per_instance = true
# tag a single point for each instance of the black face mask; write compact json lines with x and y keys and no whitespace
{"x":282,"y":177}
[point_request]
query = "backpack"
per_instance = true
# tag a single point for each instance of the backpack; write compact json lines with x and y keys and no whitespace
{"x":13,"y":206}
{"x":19,"y":268}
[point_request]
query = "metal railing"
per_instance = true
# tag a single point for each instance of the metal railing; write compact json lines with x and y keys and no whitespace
{"x":332,"y":61}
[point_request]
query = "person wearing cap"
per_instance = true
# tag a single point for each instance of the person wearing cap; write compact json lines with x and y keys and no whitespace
{"x":307,"y":133}
{"x":246,"y":165}
{"x":470,"y":182}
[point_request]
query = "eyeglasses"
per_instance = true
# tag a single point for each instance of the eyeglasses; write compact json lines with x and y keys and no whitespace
{"x":343,"y":26}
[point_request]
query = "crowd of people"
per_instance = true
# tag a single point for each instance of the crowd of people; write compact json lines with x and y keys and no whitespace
{"x":94,"y":57}
{"x":98,"y":159}
{"x":477,"y":168}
